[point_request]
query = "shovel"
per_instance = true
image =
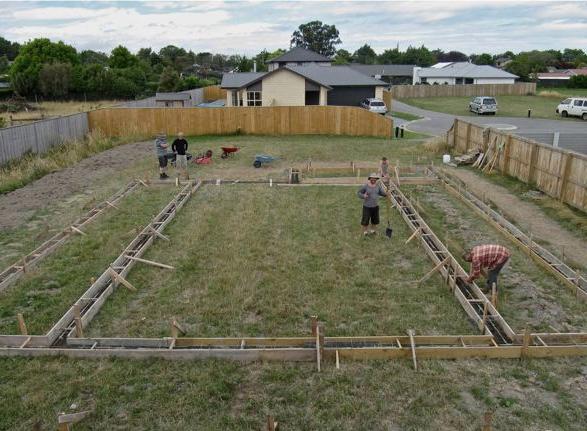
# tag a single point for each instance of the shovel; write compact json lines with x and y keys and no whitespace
{"x":388,"y":230}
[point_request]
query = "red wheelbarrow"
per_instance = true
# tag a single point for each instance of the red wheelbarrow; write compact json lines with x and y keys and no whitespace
{"x":227,"y":151}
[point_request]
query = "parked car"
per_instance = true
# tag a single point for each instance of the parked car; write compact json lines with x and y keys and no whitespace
{"x":573,"y":106}
{"x":374,"y":105}
{"x":483,"y":105}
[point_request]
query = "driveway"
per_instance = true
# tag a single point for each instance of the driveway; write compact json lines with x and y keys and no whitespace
{"x":573,"y":134}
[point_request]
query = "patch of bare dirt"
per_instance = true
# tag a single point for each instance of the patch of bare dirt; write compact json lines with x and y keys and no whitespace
{"x":70,"y":183}
{"x":544,"y":229}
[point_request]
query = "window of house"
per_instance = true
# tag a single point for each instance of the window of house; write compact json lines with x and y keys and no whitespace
{"x":253,"y":98}
{"x":424,"y":80}
{"x":235,"y":98}
{"x":469,"y":81}
{"x":459,"y":81}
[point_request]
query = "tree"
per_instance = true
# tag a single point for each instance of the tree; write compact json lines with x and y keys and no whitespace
{"x":342,"y":57}
{"x":318,"y":37}
{"x":482,"y":59}
{"x":365,"y":55}
{"x":419,"y":56}
{"x":93,"y":57}
{"x":9,"y":49}
{"x":169,"y":79}
{"x":451,"y":56}
{"x":578,"y":81}
{"x":24,"y":72}
{"x":55,"y":79}
{"x":120,"y":57}
{"x":390,"y":56}
{"x":3,"y":64}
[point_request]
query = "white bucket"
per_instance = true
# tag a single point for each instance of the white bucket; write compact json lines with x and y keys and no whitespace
{"x":446,"y":158}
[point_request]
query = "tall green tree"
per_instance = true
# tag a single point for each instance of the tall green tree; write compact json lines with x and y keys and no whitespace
{"x":24,"y":72}
{"x":342,"y":57}
{"x":169,"y":79}
{"x":121,"y":57}
{"x":482,"y":59}
{"x":318,"y":37}
{"x":9,"y":49}
{"x":420,"y":56}
{"x":365,"y":55}
{"x":55,"y":79}
{"x":390,"y":56}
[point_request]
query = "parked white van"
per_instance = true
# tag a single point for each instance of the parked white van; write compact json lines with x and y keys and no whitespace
{"x":573,"y":106}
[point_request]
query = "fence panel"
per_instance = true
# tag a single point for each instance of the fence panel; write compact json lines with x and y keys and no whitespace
{"x":557,"y":172}
{"x":466,"y":90}
{"x":278,"y":120}
{"x":39,"y":136}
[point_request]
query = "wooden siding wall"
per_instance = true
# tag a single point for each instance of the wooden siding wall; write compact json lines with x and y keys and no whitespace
{"x":279,"y":120}
{"x":469,"y":90}
{"x":214,"y":92}
{"x":40,"y":136}
{"x":557,"y":172}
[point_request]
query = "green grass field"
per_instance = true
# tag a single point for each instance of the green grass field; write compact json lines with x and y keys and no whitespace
{"x":254,"y":260}
{"x":542,"y":105}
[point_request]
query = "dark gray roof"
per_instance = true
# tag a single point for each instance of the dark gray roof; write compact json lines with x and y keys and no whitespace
{"x":238,"y":80}
{"x":299,"y":54}
{"x":335,"y":76}
{"x":464,"y":70}
{"x":172,"y":96}
{"x":384,"y":69}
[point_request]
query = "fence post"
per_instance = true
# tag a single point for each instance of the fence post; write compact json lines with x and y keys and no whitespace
{"x":564,"y":176}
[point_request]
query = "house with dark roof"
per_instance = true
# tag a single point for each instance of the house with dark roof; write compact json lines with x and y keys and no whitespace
{"x":302,"y":78}
{"x":558,"y":78}
{"x":173,"y":100}
{"x":462,"y":73}
{"x":395,"y":74}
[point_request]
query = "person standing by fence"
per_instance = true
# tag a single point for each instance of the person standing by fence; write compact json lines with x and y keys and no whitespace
{"x":161,"y":151}
{"x":370,"y":193}
{"x":179,"y":147}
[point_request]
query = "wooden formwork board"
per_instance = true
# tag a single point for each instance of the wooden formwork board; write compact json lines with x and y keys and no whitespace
{"x":571,"y":279}
{"x":16,"y":270}
{"x":93,"y":299}
{"x":452,"y":271}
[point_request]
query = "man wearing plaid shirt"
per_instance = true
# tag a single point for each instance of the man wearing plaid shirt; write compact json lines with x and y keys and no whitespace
{"x":490,"y":257}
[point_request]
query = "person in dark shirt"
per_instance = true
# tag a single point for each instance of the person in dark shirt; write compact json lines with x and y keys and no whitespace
{"x":179,"y":147}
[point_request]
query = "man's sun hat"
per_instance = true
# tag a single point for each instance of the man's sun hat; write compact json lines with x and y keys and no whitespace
{"x":373,"y":175}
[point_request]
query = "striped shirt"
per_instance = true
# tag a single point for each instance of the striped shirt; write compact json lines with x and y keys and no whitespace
{"x":487,"y":256}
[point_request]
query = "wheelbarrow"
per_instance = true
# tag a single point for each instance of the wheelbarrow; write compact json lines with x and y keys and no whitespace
{"x":261,"y":159}
{"x":227,"y":151}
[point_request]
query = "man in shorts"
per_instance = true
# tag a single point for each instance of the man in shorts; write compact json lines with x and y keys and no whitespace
{"x":161,"y":151}
{"x":179,"y":147}
{"x":370,"y":193}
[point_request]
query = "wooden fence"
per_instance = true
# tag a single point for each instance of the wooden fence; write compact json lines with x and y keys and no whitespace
{"x":468,"y":90}
{"x":388,"y":99}
{"x":559,"y":173}
{"x":214,"y":92}
{"x":39,"y":136}
{"x":278,"y":120}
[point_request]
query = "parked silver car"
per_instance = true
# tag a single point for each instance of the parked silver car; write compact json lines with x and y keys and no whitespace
{"x":374,"y":105}
{"x":483,"y":105}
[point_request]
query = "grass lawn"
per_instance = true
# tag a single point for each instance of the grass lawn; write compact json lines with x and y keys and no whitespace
{"x":56,"y":109}
{"x":254,"y":260}
{"x":405,"y":116}
{"x":47,"y":291}
{"x":542,"y":105}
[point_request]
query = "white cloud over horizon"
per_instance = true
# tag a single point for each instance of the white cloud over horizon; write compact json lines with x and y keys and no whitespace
{"x":247,"y":27}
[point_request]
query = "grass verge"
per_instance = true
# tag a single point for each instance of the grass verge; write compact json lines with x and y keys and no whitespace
{"x":405,"y":116}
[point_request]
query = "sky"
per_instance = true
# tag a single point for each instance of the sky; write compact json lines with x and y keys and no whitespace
{"x":247,"y":27}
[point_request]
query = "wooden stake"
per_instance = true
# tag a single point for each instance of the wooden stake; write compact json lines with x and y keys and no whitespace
{"x":397,"y":176}
{"x":484,"y":321}
{"x":430,"y":273}
{"x":176,"y":328}
{"x":337,"y":361}
{"x":417,"y":232}
{"x":65,"y":420}
{"x":77,"y":318}
{"x":525,"y":342}
{"x":494,"y":295}
{"x":76,"y":230}
{"x":413,"y":346}
{"x":142,"y":182}
{"x":157,"y":233}
{"x":487,"y":418}
{"x":271,"y":424}
{"x":21,"y":324}
{"x":117,"y":278}
{"x":318,"y":353}
{"x":149,"y":262}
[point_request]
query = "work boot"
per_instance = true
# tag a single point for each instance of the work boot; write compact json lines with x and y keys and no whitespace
{"x":163,"y":176}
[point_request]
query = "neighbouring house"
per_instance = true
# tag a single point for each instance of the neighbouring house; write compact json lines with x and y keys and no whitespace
{"x":298,"y":57}
{"x":394,"y":74}
{"x":559,"y":78}
{"x":309,"y":80}
{"x":173,"y":100}
{"x":462,"y":73}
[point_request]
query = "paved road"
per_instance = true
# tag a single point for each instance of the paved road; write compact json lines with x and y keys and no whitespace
{"x":436,"y":123}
